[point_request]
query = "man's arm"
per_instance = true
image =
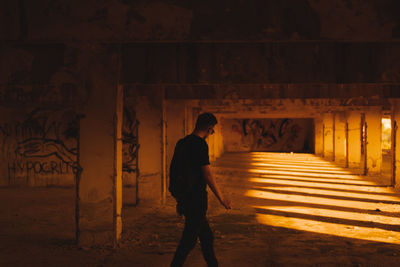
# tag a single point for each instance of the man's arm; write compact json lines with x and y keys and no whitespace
{"x":214,"y":187}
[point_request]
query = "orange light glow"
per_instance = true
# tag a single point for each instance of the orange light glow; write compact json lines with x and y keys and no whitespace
{"x":325,"y":192}
{"x":350,"y":231}
{"x":302,"y":167}
{"x":281,"y":180}
{"x":320,"y":197}
{"x":337,"y":214}
{"x":324,"y":201}
{"x":269,"y":171}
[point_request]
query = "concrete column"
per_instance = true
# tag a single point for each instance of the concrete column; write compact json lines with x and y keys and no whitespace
{"x":374,"y":152}
{"x":354,"y":122}
{"x":149,"y":112}
{"x":176,"y":114}
{"x":340,"y":138}
{"x":129,"y":177}
{"x":396,"y":118}
{"x":328,"y":136}
{"x":100,"y":155}
{"x":318,"y":136}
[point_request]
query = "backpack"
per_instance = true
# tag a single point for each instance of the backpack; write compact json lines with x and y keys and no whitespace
{"x":181,"y":175}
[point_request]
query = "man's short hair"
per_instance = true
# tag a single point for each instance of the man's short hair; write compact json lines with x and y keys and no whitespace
{"x":205,"y":120}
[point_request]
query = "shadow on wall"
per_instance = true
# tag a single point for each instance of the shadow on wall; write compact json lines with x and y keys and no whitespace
{"x":272,"y":135}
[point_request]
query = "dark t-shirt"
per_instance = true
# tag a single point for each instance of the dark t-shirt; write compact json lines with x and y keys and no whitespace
{"x":198,"y":156}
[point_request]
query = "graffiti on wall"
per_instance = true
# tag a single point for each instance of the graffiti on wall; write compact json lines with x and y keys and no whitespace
{"x":278,"y":135}
{"x":43,"y":142}
{"x":130,"y":139}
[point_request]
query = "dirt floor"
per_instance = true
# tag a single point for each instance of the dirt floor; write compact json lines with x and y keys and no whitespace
{"x":289,"y":210}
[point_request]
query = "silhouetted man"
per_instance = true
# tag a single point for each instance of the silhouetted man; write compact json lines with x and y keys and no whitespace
{"x":193,"y":203}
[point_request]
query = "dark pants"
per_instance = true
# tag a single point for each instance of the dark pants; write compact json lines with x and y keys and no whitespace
{"x":196,"y":226}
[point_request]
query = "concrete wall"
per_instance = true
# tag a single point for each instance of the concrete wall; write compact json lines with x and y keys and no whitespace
{"x":396,"y":117}
{"x":62,"y":59}
{"x":340,"y":138}
{"x":184,"y":20}
{"x":328,"y":136}
{"x":41,"y":91}
{"x":274,"y":135}
{"x":130,"y":130}
{"x":354,"y":122}
{"x":149,"y":116}
{"x":175,"y":119}
{"x":143,"y":117}
{"x":219,"y":139}
{"x":215,"y":142}
{"x":356,"y":160}
{"x":318,"y":137}
{"x":100,"y":183}
{"x":38,"y":146}
{"x":353,"y":118}
{"x":374,"y":151}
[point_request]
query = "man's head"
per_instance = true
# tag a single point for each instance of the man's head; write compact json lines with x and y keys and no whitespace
{"x":205,"y":123}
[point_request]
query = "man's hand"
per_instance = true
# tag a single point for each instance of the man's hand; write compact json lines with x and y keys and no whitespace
{"x":214,"y":187}
{"x":227,"y":203}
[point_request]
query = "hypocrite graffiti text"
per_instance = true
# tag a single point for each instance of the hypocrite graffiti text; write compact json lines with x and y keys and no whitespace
{"x":28,"y":168}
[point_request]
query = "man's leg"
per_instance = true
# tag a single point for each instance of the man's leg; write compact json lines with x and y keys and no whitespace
{"x":207,"y":243}
{"x":188,"y":240}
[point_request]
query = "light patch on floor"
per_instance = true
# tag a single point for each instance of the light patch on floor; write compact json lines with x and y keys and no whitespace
{"x":316,"y":196}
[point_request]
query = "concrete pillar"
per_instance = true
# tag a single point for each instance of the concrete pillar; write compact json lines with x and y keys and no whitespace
{"x":340,"y":138}
{"x":354,"y":135}
{"x":149,"y":112}
{"x":396,"y":139}
{"x":175,"y":115}
{"x":318,"y":136}
{"x":328,"y":136}
{"x":100,"y":155}
{"x":374,"y":152}
{"x":176,"y":127}
{"x":130,"y":175}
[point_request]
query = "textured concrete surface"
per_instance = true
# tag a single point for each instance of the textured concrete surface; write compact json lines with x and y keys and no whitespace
{"x":289,"y":210}
{"x":208,"y":20}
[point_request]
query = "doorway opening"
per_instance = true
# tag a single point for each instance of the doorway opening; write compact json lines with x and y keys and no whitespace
{"x":386,"y":146}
